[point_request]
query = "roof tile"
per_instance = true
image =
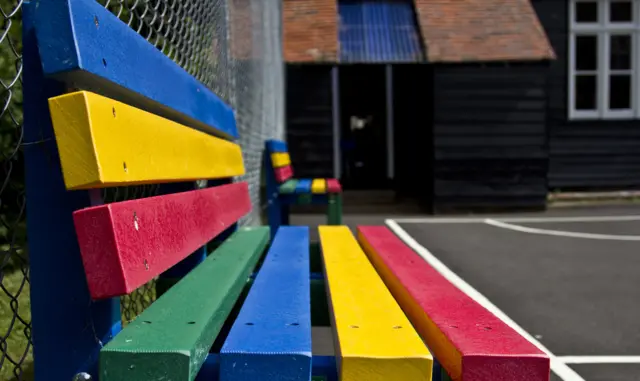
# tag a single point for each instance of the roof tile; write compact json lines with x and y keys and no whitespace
{"x":310,"y":30}
{"x":482,"y":30}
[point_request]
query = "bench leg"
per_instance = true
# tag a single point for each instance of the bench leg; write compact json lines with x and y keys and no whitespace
{"x":334,"y":210}
{"x":284,"y":211}
{"x":274,"y":214}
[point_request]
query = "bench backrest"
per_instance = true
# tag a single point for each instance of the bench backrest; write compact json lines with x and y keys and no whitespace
{"x":137,"y":119}
{"x":278,"y":160}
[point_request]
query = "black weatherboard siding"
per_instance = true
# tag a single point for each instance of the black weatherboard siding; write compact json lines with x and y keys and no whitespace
{"x":490,"y":144}
{"x":413,"y":131}
{"x":310,"y":120}
{"x":584,"y":155}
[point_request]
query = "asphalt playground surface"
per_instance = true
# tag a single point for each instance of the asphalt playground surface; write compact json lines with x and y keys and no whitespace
{"x":569,"y":277}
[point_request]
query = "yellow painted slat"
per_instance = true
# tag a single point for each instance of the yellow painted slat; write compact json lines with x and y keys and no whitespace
{"x":103,"y":142}
{"x":280,"y":159}
{"x":319,"y":186}
{"x":374,"y":339}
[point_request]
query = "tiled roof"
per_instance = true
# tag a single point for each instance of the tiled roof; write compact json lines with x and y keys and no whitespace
{"x":452,"y":31}
{"x":482,"y":30}
{"x":310,"y":30}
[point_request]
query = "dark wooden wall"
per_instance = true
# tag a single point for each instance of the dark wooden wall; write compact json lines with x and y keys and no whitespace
{"x":490,"y":146}
{"x":309,"y":120}
{"x":413,"y":131}
{"x":584,"y":155}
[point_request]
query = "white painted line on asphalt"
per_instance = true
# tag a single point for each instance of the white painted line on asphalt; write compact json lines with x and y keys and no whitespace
{"x":560,"y":233}
{"x":558,"y":367}
{"x":531,"y":220}
{"x":599,"y":359}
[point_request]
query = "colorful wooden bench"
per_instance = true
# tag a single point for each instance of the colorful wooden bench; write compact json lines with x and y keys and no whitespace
{"x":469,"y":341}
{"x":235,"y":303}
{"x":284,"y":190}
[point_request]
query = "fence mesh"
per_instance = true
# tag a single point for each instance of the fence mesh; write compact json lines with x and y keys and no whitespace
{"x":232,"y":46}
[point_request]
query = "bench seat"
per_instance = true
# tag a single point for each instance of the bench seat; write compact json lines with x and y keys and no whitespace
{"x":373,"y":338}
{"x":314,"y":186}
{"x":283,"y":189}
{"x":468,"y":341}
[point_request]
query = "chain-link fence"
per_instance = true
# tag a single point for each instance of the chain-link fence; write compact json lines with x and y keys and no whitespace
{"x":232,"y":46}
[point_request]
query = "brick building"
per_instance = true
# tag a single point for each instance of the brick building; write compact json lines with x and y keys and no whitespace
{"x":465,"y":103}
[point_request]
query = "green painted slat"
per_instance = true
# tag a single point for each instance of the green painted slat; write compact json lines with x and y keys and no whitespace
{"x":171,"y":339}
{"x":289,"y":187}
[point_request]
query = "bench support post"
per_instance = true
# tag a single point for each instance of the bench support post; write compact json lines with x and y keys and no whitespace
{"x":68,"y":327}
{"x":275,"y":210}
{"x":334,"y":209}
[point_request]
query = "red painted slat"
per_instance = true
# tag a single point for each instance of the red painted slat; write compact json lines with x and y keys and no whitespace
{"x":469,"y":341}
{"x":126,"y":244}
{"x":283,"y":173}
{"x":333,"y":186}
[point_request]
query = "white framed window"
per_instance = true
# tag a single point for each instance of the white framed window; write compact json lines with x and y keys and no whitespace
{"x":604,"y":67}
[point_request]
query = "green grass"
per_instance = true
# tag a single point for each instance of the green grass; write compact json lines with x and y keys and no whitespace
{"x":17,"y":341}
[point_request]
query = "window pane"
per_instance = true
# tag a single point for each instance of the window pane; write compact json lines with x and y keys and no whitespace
{"x":621,"y":11}
{"x":587,"y":11}
{"x":586,"y":53}
{"x":620,"y":54}
{"x":586,"y":92}
{"x":620,"y":92}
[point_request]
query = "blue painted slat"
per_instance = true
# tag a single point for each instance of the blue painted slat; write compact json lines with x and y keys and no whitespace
{"x":68,"y":329}
{"x":303,"y":186}
{"x":271,"y":337}
{"x":379,"y":31}
{"x":82,"y":42}
{"x":276,"y":146}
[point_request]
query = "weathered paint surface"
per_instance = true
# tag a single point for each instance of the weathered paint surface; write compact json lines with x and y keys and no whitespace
{"x":85,"y":45}
{"x":171,"y":339}
{"x":374,"y":339}
{"x":469,"y":342}
{"x":271,"y":337}
{"x":103,"y":142}
{"x":126,"y":244}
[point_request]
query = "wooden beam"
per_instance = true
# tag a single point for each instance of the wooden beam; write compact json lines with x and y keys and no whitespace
{"x":283,"y":173}
{"x":374,"y":339}
{"x":280,"y":159}
{"x":171,"y":339}
{"x":333,"y":186}
{"x":303,"y":186}
{"x":319,"y":186}
{"x":103,"y":142}
{"x":271,"y":337}
{"x":276,"y":146}
{"x":126,"y":244}
{"x":288,"y":187}
{"x":85,"y":45}
{"x":467,"y":340}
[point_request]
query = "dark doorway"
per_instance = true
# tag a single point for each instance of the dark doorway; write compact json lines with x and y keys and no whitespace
{"x":363,"y":123}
